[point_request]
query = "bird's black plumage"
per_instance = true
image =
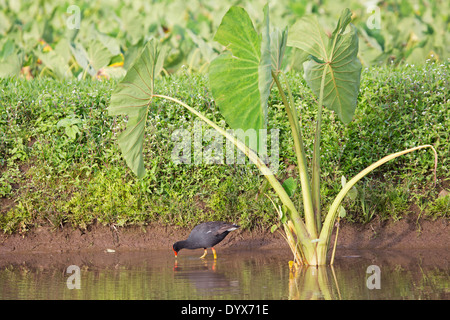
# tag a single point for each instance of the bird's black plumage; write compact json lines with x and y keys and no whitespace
{"x":205,"y":235}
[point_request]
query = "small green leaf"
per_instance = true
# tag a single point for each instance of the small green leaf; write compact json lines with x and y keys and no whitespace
{"x":343,"y":181}
{"x":342,"y":212}
{"x":70,"y":126}
{"x":72,"y":132}
{"x":69,"y":121}
{"x":283,"y":216}
{"x":290,"y":185}
{"x":353,"y":192}
{"x":274,"y":228}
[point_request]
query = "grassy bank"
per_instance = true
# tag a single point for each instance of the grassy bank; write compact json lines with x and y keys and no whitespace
{"x":60,"y":163}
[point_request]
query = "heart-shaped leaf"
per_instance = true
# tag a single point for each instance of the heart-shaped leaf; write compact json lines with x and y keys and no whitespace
{"x":92,"y":59}
{"x":335,"y":58}
{"x":240,"y":78}
{"x":132,"y":97}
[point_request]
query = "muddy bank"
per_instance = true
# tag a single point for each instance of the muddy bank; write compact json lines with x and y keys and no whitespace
{"x":403,"y":234}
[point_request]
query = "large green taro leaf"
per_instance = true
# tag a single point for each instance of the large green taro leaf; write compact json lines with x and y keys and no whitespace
{"x":240,"y":78}
{"x":132,"y":97}
{"x":335,"y":58}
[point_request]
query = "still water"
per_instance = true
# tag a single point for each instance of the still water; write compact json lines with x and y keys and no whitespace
{"x":237,"y":274}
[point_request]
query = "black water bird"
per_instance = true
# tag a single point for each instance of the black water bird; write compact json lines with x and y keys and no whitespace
{"x":205,"y":235}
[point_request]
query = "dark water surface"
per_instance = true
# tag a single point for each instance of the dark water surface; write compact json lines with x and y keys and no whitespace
{"x":237,"y":274}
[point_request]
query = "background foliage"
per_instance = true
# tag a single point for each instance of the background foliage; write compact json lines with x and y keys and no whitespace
{"x":42,"y":38}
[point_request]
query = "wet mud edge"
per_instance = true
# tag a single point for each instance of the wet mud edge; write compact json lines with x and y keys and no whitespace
{"x":403,"y":234}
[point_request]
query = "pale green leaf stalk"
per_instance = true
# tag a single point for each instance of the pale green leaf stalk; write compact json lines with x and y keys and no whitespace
{"x":316,"y":160}
{"x":301,"y":164}
{"x":333,"y":73}
{"x":333,"y":211}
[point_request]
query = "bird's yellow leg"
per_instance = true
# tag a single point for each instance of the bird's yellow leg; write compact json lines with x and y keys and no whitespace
{"x":204,"y":254}
{"x":214,"y":253}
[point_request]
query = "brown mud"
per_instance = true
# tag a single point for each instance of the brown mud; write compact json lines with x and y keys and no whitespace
{"x":404,"y":234}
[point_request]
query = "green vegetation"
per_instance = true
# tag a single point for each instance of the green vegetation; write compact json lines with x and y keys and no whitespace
{"x":241,"y":78}
{"x":49,"y":178}
{"x":60,"y":162}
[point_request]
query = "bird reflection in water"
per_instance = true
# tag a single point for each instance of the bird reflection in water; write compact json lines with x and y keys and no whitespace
{"x":205,"y":276}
